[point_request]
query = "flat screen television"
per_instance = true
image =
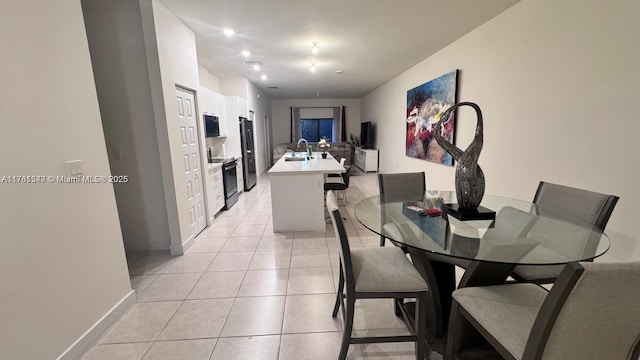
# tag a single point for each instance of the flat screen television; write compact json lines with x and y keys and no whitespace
{"x":366,"y":135}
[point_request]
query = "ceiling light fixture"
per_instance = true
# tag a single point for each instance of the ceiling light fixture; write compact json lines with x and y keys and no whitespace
{"x":228,"y":31}
{"x":264,"y":78}
{"x":254,"y":64}
{"x":314,"y":48}
{"x":246,"y":53}
{"x":313,"y":68}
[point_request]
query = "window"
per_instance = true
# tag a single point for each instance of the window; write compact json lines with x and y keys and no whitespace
{"x":315,"y":129}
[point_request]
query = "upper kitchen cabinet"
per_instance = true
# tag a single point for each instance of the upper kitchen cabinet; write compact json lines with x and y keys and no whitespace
{"x":213,"y":103}
{"x":235,"y":108}
{"x":238,"y":106}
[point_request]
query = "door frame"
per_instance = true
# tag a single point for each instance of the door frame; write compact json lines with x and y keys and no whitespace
{"x":200,"y":166}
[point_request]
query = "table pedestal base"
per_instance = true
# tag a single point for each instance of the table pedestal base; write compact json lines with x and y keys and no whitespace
{"x":439,"y":272}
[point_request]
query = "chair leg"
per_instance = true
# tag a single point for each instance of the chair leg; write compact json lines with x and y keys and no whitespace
{"x":382,"y":240}
{"x":421,"y":325}
{"x":344,"y":197}
{"x":456,"y":322}
{"x":348,"y":327}
{"x":397,"y":304}
{"x":336,"y":307}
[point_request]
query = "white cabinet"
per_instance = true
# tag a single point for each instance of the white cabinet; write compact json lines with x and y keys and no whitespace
{"x":215,"y":195}
{"x":237,"y":105}
{"x":235,"y":108}
{"x":240,"y":175}
{"x":366,"y":159}
{"x":218,"y":101}
{"x":212,"y":103}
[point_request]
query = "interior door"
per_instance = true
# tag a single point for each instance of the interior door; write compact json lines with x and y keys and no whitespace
{"x":187,"y":122}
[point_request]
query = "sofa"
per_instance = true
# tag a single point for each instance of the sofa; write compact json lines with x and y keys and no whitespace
{"x":337,"y":150}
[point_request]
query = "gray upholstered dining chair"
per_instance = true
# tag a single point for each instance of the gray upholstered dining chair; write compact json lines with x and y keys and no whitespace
{"x":401,"y":187}
{"x":375,"y":273}
{"x":571,"y":204}
{"x":591,"y":312}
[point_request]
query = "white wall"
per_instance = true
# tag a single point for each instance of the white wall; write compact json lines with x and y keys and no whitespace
{"x":208,"y":80}
{"x":178,"y":65}
{"x":235,"y":86}
{"x":114,"y":31}
{"x":62,"y":264}
{"x":558,"y":86}
{"x":281,"y":113}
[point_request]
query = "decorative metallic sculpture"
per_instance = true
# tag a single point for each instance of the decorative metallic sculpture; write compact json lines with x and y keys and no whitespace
{"x":469,"y":175}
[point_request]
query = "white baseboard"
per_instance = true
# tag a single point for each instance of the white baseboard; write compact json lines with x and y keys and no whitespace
{"x":91,"y":336}
{"x":181,"y":249}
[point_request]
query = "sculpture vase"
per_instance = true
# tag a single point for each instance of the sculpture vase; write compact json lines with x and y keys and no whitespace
{"x":469,"y":178}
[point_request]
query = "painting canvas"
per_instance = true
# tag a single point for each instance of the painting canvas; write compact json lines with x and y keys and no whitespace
{"x":424,"y":104}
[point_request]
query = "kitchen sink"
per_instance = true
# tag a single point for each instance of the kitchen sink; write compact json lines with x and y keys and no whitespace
{"x":299,"y":158}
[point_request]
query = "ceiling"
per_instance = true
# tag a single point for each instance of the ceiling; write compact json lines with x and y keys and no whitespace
{"x":370,"y":41}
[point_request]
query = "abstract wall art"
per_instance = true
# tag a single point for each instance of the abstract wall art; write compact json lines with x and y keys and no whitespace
{"x":424,"y":104}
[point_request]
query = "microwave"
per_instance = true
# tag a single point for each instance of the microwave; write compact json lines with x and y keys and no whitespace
{"x":211,"y":125}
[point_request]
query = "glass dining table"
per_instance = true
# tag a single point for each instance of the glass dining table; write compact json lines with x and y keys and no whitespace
{"x":522,"y":233}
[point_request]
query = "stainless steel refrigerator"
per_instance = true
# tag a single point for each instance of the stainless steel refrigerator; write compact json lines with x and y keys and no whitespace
{"x":248,"y":153}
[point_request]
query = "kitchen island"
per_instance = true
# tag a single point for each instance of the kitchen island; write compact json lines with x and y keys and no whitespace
{"x":297,"y":191}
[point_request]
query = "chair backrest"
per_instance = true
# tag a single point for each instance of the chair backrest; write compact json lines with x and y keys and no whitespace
{"x":346,"y":176}
{"x":570,"y":202}
{"x":511,"y":224}
{"x":591,"y":312}
{"x":402,"y":186}
{"x":342,"y":160}
{"x":341,"y":234}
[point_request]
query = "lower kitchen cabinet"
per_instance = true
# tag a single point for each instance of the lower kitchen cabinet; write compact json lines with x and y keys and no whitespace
{"x":240,"y":175}
{"x":215,"y":196}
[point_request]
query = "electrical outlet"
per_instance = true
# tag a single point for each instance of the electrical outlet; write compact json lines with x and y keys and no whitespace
{"x":74,"y":168}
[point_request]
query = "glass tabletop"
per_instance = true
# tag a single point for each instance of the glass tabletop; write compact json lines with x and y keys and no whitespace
{"x":522,"y":233}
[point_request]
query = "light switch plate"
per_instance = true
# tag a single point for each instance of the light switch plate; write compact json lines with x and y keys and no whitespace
{"x":74,"y":168}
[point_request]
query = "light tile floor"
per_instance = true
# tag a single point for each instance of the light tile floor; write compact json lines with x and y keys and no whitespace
{"x":245,"y":292}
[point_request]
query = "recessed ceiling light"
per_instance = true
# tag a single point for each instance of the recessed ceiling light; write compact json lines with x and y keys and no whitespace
{"x":256,"y":67}
{"x":339,"y":72}
{"x":264,"y":77}
{"x":314,"y":48}
{"x":246,"y":53}
{"x":228,"y":31}
{"x":313,"y":68}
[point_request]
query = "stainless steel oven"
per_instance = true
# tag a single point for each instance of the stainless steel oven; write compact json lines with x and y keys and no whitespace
{"x":230,"y":181}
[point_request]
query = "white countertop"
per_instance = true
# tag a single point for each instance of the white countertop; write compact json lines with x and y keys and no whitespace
{"x":211,"y":166}
{"x":318,"y":165}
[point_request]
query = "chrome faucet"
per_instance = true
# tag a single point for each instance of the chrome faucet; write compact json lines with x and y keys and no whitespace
{"x":306,"y":142}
